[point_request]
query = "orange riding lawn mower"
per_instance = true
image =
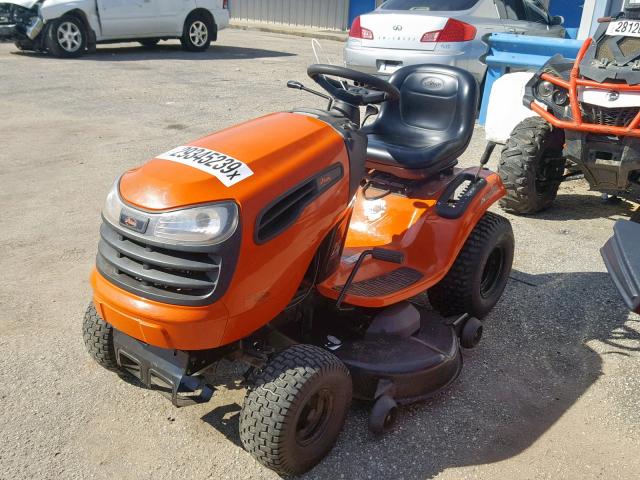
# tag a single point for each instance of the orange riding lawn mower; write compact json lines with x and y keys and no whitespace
{"x":296,"y":244}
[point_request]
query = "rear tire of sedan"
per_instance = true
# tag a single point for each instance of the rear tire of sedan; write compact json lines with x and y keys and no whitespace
{"x":196,"y":36}
{"x":66,"y":37}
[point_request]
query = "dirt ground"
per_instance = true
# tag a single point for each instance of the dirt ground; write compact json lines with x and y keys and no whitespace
{"x":550,"y":393}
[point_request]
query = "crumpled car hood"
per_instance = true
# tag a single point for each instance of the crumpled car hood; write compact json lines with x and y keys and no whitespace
{"x":22,"y":3}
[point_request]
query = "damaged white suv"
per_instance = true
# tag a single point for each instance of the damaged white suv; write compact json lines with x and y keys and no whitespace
{"x":67,"y":28}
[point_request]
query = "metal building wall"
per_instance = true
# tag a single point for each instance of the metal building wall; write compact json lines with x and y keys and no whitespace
{"x":324,"y":14}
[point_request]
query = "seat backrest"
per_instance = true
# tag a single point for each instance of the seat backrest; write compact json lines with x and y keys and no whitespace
{"x":438,"y":104}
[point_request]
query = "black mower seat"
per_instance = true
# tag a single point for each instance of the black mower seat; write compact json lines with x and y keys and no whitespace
{"x":430,"y":127}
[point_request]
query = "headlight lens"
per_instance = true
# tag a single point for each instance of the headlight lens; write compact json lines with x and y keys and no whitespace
{"x":546,"y":89}
{"x":561,"y":98}
{"x":204,"y":225}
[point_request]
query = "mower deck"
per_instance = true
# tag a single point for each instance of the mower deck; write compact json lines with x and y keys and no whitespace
{"x":406,"y":369}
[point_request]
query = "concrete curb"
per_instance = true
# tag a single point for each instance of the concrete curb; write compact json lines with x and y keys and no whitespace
{"x":284,"y":29}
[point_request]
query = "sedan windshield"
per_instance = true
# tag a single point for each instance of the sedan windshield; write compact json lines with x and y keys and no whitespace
{"x":429,"y":5}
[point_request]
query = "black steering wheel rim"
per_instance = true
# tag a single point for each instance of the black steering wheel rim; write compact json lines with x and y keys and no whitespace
{"x":319,"y":73}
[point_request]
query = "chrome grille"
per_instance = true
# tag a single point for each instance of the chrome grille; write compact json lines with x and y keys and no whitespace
{"x":158,"y":273}
{"x":612,"y":117}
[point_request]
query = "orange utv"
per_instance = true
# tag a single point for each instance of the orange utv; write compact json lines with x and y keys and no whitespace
{"x":296,"y":244}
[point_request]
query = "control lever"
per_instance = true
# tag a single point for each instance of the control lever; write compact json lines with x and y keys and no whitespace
{"x":385,"y":255}
{"x":485,"y":158}
{"x":299,"y":86}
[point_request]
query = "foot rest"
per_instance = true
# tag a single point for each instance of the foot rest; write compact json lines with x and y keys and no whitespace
{"x":386,"y":284}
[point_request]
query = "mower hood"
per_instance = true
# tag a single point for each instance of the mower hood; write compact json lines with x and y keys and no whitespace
{"x":256,"y":160}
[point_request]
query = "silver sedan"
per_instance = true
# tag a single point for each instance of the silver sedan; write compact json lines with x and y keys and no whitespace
{"x":449,"y":32}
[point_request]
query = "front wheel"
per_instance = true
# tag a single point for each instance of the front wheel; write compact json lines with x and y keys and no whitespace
{"x":295,"y":409}
{"x":532,"y":166}
{"x":475,"y":282}
{"x":66,"y":37}
{"x":196,"y":36}
{"x":98,"y":338}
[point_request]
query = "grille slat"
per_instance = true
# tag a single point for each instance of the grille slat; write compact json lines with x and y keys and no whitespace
{"x":157,"y":273}
{"x":151,"y":275}
{"x":612,"y":117}
{"x":156,"y":256}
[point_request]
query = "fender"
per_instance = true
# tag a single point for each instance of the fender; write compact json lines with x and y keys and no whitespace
{"x":506,"y":109}
{"x":409,"y":224}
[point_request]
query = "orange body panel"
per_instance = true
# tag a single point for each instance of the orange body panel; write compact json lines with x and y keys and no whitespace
{"x":410,"y":225}
{"x":575,"y":81}
{"x":282,"y":150}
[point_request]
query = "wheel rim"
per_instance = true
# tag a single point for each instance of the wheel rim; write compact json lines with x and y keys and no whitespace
{"x":492,"y":272}
{"x":390,"y":418}
{"x":314,"y":417}
{"x":69,"y":36}
{"x":198,"y":33}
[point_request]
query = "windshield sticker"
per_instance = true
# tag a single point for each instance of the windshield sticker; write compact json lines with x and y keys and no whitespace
{"x":225,"y":168}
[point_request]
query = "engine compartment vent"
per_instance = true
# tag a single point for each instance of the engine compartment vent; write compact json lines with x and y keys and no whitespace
{"x":283,"y":212}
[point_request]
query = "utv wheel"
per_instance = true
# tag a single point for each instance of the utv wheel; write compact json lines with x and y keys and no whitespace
{"x":383,"y":415}
{"x":98,"y":338}
{"x":149,"y":42}
{"x":532,"y":166}
{"x":196,"y":36}
{"x":479,"y":275}
{"x":295,"y":409}
{"x":66,"y":37}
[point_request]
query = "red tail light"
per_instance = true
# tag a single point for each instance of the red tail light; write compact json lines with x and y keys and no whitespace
{"x":357,"y":31}
{"x":453,"y":31}
{"x":225,"y":4}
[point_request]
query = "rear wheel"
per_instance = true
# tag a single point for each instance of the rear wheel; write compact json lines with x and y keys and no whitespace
{"x":532,"y":166}
{"x":475,"y":282}
{"x":196,"y":36}
{"x":66,"y":37}
{"x":295,"y":409}
{"x":98,"y":338}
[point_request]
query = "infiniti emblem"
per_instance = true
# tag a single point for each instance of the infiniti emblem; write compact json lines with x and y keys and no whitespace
{"x":612,"y":96}
{"x":397,"y":28}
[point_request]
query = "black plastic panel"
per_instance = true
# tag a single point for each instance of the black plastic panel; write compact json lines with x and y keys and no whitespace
{"x":163,"y":274}
{"x":621,"y":256}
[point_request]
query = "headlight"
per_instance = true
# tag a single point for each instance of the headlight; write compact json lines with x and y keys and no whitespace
{"x":545,"y":89}
{"x":200,"y":225}
{"x":561,"y":98}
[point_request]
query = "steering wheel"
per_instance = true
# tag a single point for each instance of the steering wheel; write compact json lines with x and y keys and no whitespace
{"x":370,"y":89}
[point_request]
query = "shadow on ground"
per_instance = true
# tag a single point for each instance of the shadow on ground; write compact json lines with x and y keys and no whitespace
{"x":169,"y":52}
{"x":576,"y":206}
{"x":534,"y":363}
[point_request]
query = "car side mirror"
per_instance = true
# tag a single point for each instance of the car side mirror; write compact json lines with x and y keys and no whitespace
{"x":557,"y":20}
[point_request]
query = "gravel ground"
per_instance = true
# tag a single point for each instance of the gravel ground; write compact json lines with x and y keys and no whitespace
{"x":551,"y":392}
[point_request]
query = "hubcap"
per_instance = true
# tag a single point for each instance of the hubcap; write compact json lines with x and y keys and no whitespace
{"x":198,"y":33}
{"x":491,"y":272}
{"x":314,"y":417}
{"x":69,"y":36}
